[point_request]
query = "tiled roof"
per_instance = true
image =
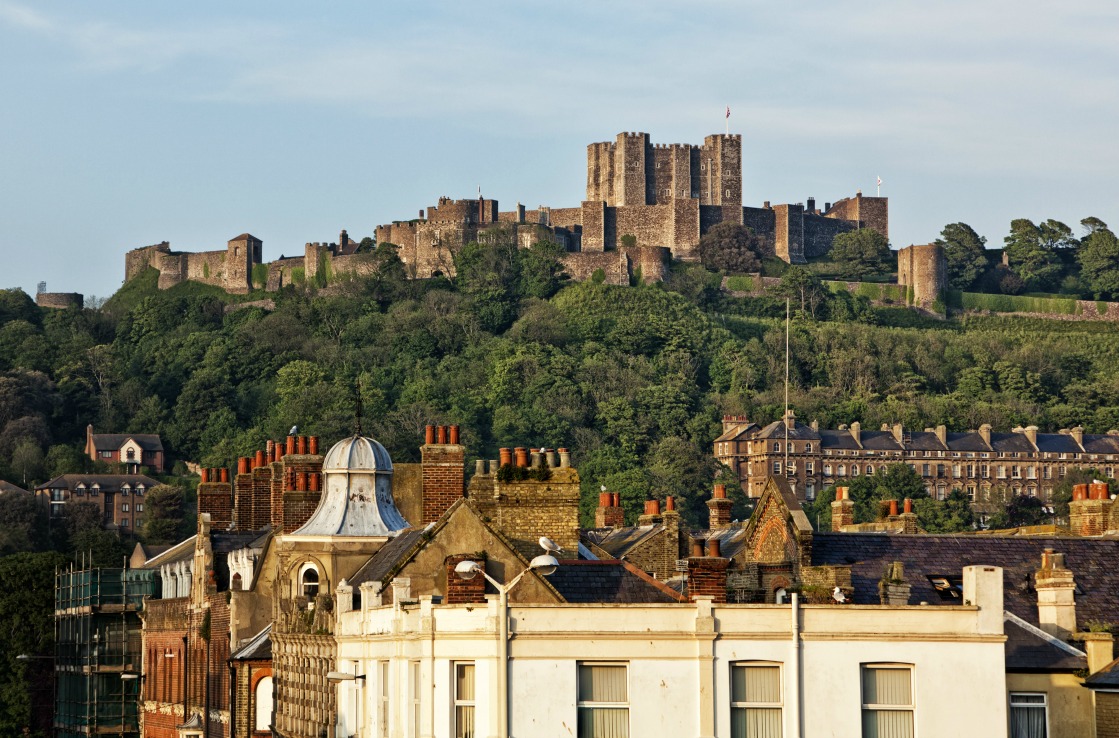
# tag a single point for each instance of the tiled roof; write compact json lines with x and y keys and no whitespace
{"x":738,"y":431}
{"x":180,"y":551}
{"x":1105,"y":678}
{"x":608,"y":582}
{"x":245,"y":237}
{"x":381,"y":564}
{"x":970,"y":441}
{"x":879,"y":441}
{"x":257,"y":648}
{"x":107,"y":482}
{"x":1011,"y":442}
{"x":617,"y":542}
{"x":113,"y":441}
{"x":830,"y":439}
{"x":1108,"y":444}
{"x":799,"y":432}
{"x":1054,"y":443}
{"x":1090,"y":559}
{"x":1031,"y":649}
{"x":9,"y":487}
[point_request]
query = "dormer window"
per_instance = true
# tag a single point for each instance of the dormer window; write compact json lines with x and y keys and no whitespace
{"x":139,"y":489}
{"x":125,"y":489}
{"x":95,"y":489}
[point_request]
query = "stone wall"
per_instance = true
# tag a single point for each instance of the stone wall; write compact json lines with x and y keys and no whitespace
{"x":923,"y":271}
{"x":60,"y":300}
{"x":526,"y":510}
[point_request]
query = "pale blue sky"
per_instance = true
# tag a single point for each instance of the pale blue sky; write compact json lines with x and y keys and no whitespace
{"x":125,"y":124}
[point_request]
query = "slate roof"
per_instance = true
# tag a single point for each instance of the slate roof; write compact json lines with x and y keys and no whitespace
{"x":1011,"y":443}
{"x":381,"y":564}
{"x":257,"y":648}
{"x":1052,"y":443}
{"x":970,"y":441}
{"x":113,"y":441}
{"x":1092,"y":561}
{"x":6,"y":487}
{"x":1108,"y":444}
{"x":879,"y":441}
{"x":1105,"y":678}
{"x":1032,"y":649}
{"x":107,"y":482}
{"x":737,"y":431}
{"x":610,"y":581}
{"x":799,"y":432}
{"x":831,"y":439}
{"x":617,"y":542}
{"x":245,"y":237}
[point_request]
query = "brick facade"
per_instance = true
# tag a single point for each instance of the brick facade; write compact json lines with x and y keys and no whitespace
{"x":444,"y":472}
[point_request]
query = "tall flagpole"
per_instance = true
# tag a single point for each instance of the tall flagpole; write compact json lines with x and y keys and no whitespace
{"x":728,"y":120}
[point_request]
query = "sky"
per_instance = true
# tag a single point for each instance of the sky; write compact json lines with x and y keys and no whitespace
{"x":128,"y":124}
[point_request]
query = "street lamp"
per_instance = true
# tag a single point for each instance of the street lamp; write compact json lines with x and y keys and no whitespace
{"x":545,"y":564}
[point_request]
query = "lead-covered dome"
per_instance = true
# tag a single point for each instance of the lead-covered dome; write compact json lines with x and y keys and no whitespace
{"x":357,"y":493}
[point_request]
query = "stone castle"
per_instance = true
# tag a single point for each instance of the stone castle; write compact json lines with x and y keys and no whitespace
{"x":645,"y":204}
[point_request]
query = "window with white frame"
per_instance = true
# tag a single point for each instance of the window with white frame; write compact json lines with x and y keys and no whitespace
{"x":415,"y":686}
{"x":1029,"y":715}
{"x":887,"y":700}
{"x":262,"y":703}
{"x":603,"y":701}
{"x":777,"y":467}
{"x":464,"y":700}
{"x":309,"y":581}
{"x":755,"y":700}
{"x":383,"y":700}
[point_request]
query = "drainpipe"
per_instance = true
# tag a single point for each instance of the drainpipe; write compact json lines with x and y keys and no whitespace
{"x":232,"y":700}
{"x":186,"y":674}
{"x":795,"y":609}
{"x":503,"y":666}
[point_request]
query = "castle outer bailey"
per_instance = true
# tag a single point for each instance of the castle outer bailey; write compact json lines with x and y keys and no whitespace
{"x":645,"y":205}
{"x":663,"y":195}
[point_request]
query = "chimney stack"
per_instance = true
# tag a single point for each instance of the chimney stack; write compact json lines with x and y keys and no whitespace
{"x":443,"y":471}
{"x":652,"y":514}
{"x":707,"y":575}
{"x":1089,"y":511}
{"x":719,"y":508}
{"x":1056,"y":606}
{"x":842,"y":510}
{"x":609,"y":513}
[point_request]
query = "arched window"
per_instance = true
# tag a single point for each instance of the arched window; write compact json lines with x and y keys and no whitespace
{"x":808,"y":448}
{"x":841,"y":471}
{"x":262,"y":700}
{"x":854,"y":470}
{"x":236,"y":585}
{"x":776,"y":447}
{"x":792,"y":447}
{"x":309,"y":581}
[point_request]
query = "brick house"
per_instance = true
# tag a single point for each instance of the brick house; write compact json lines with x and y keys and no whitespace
{"x":120,"y":496}
{"x":135,"y":451}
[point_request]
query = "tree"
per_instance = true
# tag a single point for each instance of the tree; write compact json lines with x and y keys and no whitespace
{"x":22,"y":523}
{"x":803,"y":287}
{"x":1030,"y":251}
{"x":730,"y":247}
{"x":163,"y":514}
{"x":1020,"y":511}
{"x":966,"y":255}
{"x":861,"y":253}
{"x":1099,"y":259}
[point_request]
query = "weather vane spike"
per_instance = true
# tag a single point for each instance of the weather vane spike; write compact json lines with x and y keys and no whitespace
{"x":358,"y":410}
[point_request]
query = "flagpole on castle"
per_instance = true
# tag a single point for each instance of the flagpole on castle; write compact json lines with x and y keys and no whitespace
{"x":728,"y":120}
{"x":879,"y":186}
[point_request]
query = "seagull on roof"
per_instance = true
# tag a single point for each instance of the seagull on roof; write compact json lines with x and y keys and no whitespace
{"x":294,"y":430}
{"x":838,"y":596}
{"x":602,"y":487}
{"x":549,"y":545}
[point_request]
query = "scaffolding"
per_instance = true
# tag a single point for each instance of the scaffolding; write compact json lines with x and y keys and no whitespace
{"x":98,"y":650}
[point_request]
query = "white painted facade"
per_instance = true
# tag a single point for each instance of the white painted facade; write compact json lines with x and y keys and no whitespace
{"x":678,"y":661}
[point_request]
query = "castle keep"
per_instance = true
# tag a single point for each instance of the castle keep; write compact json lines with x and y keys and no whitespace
{"x":645,"y":203}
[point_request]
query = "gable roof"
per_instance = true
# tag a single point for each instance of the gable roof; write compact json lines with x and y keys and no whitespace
{"x":113,"y":441}
{"x":387,"y":559}
{"x":8,"y":487}
{"x":610,"y":581}
{"x":1106,"y":678}
{"x":257,"y":648}
{"x":1090,"y":559}
{"x":615,"y":543}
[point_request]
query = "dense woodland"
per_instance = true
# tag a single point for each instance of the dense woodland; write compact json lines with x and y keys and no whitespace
{"x":634,"y":380}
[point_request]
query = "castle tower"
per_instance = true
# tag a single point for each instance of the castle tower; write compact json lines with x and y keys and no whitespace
{"x":923,"y":271}
{"x":720,"y":172}
{"x":631,"y":156}
{"x":243,"y":252}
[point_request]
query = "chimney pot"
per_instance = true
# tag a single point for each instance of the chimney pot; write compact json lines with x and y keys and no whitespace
{"x":259,"y":459}
{"x":521,"y":456}
{"x":669,"y":504}
{"x":506,"y":456}
{"x":441,"y":434}
{"x":697,"y":547}
{"x":290,"y":445}
{"x":313,"y":481}
{"x":564,"y":458}
{"x":713,"y":548}
{"x":429,"y":434}
{"x":480,"y":467}
{"x":224,"y":475}
{"x":301,"y":481}
{"x":604,"y":499}
{"x":205,"y":474}
{"x":301,"y":445}
{"x":720,"y":492}
{"x":1080,"y":492}
{"x":908,"y":506}
{"x":313,"y":443}
{"x":453,"y":435}
{"x":615,"y":499}
{"x":893,"y":508}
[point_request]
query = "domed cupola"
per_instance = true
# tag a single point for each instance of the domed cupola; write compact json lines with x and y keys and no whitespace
{"x":357,"y":493}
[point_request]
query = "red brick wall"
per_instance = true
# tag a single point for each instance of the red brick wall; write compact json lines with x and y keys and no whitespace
{"x":216,"y":499}
{"x":707,"y":577}
{"x":444,"y":478}
{"x":460,"y":591}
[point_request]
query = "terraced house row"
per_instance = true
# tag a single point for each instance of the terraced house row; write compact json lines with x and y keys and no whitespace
{"x":979,"y":462}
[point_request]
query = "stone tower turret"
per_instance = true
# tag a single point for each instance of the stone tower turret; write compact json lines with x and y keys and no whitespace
{"x":923,"y":271}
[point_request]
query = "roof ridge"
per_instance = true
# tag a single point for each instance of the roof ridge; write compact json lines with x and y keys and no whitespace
{"x":679,"y":597}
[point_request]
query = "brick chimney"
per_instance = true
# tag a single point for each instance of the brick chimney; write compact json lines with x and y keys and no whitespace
{"x":908,"y":517}
{"x":443,"y":465}
{"x":1056,"y":607}
{"x":707,"y":575}
{"x":842,"y":510}
{"x":461,"y":591}
{"x":652,"y":514}
{"x":1090,"y":509}
{"x":719,"y":508}
{"x":299,"y":479}
{"x":216,"y":498}
{"x":609,"y":513}
{"x":893,"y":589}
{"x":985,"y":433}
